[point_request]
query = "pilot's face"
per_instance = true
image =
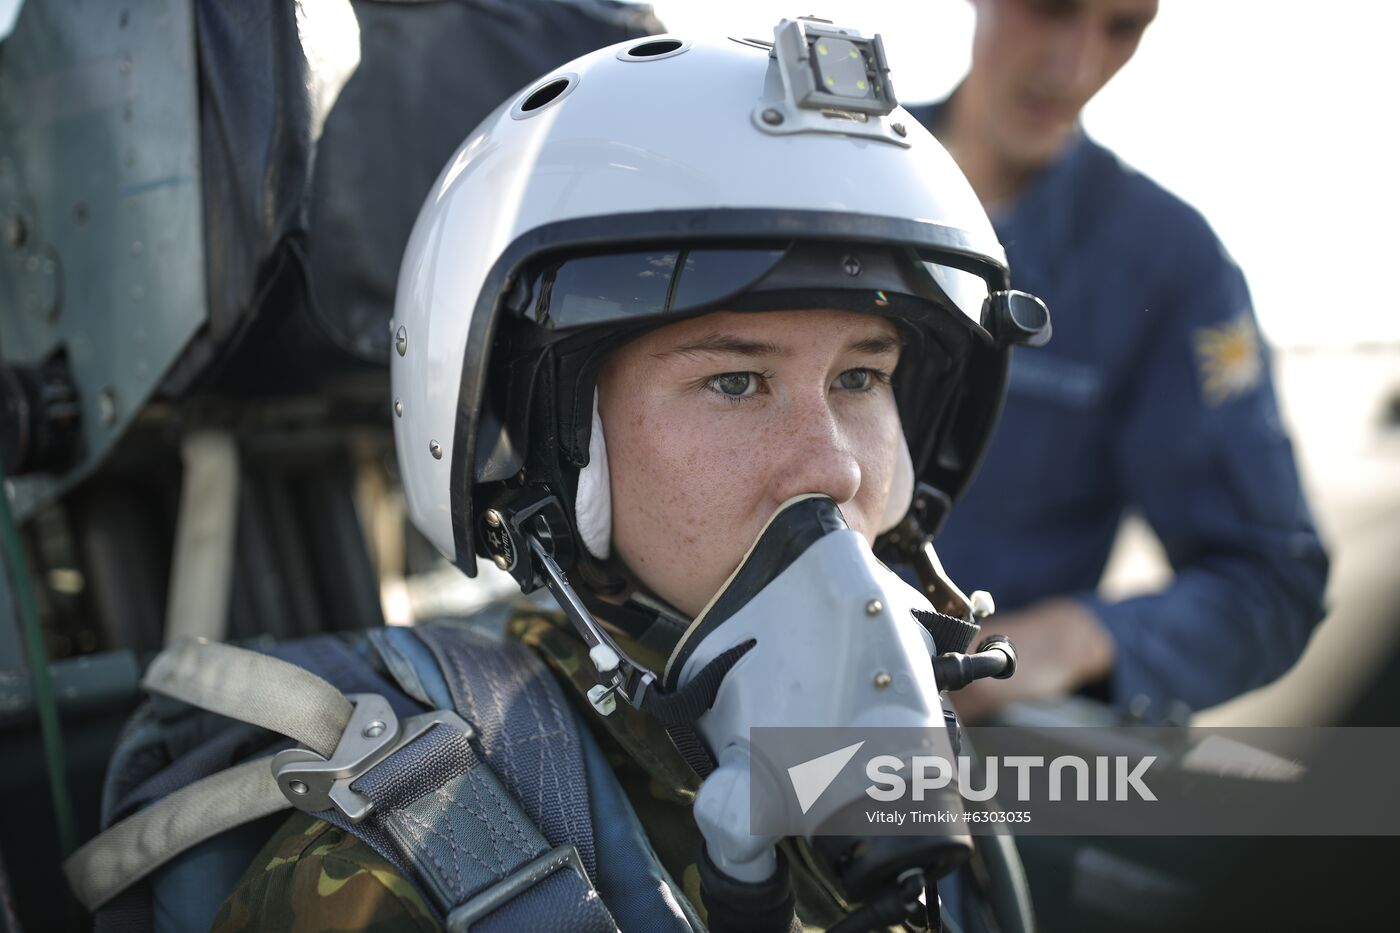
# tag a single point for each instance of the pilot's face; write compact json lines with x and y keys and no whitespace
{"x":712,"y":423}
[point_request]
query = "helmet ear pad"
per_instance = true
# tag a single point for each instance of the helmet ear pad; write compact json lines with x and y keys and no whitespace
{"x":593,"y":500}
{"x":901,"y":490}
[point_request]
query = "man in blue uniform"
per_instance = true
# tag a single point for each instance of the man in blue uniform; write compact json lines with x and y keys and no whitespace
{"x":1153,"y":396}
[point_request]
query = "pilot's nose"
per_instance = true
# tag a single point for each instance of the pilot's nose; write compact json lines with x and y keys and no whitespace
{"x":817,"y":456}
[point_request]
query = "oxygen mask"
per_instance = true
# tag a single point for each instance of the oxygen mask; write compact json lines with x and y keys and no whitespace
{"x":831,"y":637}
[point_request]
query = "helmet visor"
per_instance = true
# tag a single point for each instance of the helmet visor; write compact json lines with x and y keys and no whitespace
{"x":585,"y":291}
{"x":589,"y":290}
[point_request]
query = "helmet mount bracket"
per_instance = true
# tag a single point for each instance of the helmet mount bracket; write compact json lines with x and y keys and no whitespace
{"x":528,"y":537}
{"x":911,"y":542}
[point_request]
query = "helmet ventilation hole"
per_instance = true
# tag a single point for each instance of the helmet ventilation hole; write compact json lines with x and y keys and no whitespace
{"x":653,"y":49}
{"x":544,"y":94}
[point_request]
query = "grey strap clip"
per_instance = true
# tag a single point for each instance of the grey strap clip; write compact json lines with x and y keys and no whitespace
{"x":313,"y":782}
{"x":513,"y":885}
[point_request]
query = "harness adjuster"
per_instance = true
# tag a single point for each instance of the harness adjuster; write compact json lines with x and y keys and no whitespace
{"x":313,"y":782}
{"x":513,"y":885}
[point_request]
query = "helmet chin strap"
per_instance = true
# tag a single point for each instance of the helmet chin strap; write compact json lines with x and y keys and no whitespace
{"x":593,"y":501}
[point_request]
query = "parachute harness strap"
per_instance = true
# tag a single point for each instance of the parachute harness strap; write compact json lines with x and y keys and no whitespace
{"x":414,"y":790}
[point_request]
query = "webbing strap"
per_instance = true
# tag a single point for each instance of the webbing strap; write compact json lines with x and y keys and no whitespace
{"x":437,"y":806}
{"x":532,"y":752}
{"x":254,"y":688}
{"x":234,"y":682}
{"x":477,"y":853}
{"x":683,"y":706}
{"x":526,"y":731}
{"x":679,"y":709}
{"x":133,"y":848}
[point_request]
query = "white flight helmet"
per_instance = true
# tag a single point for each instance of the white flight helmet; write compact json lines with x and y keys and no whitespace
{"x":660,"y":178}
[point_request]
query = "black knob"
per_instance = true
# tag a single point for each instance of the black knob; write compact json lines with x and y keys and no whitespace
{"x":1003,"y":644}
{"x":1017,"y":317}
{"x":39,"y":427}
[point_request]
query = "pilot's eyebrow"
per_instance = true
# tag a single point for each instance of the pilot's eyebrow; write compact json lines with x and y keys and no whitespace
{"x":885,"y":343}
{"x":740,"y":346}
{"x":727,"y":344}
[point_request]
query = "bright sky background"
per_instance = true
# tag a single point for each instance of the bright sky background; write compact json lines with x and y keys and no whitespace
{"x":1280,"y":121}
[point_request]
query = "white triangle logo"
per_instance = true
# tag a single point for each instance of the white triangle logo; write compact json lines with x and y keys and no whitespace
{"x":811,"y":778}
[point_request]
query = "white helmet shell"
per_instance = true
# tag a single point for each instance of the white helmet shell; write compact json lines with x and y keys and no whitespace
{"x":681,"y":140}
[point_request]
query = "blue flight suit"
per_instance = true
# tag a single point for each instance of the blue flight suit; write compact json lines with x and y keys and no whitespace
{"x":1153,"y":395}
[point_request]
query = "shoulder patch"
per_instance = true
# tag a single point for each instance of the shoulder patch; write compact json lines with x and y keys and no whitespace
{"x":1228,"y":359}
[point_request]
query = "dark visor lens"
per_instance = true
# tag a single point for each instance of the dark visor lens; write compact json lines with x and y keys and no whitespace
{"x":597,"y":289}
{"x":587,"y":290}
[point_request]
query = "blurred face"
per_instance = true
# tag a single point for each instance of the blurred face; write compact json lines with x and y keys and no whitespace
{"x":1036,"y":63}
{"x":713,"y":423}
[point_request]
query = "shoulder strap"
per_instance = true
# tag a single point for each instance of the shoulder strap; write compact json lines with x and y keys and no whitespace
{"x":129,"y":851}
{"x":415,"y":790}
{"x":527,"y":734}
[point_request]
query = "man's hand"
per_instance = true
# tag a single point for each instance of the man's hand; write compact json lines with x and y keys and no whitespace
{"x":1060,"y":645}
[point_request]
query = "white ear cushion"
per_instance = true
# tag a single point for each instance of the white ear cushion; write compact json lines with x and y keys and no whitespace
{"x":593,"y":503}
{"x":901,"y":489}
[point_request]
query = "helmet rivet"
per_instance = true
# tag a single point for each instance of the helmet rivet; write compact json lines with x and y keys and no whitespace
{"x":493,"y":518}
{"x":398,"y":407}
{"x":501,"y":561}
{"x":899,"y":129}
{"x":401,"y":340}
{"x":435,"y":449}
{"x":374,"y":730}
{"x":772,"y":116}
{"x":883,"y":680}
{"x":874,"y":607}
{"x":851,"y":264}
{"x":297,"y":787}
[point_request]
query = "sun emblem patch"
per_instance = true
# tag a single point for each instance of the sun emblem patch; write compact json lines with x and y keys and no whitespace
{"x":1228,"y":361}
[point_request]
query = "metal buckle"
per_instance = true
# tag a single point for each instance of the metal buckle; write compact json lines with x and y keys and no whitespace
{"x":312,"y":782}
{"x":513,"y":885}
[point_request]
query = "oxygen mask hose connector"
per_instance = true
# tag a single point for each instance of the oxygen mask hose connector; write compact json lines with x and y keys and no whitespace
{"x":734,"y":906}
{"x":995,"y":657}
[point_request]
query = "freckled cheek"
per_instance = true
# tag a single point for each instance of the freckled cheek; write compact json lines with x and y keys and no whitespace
{"x":682,"y":487}
{"x":659,"y":480}
{"x":876,"y":443}
{"x":710,"y":476}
